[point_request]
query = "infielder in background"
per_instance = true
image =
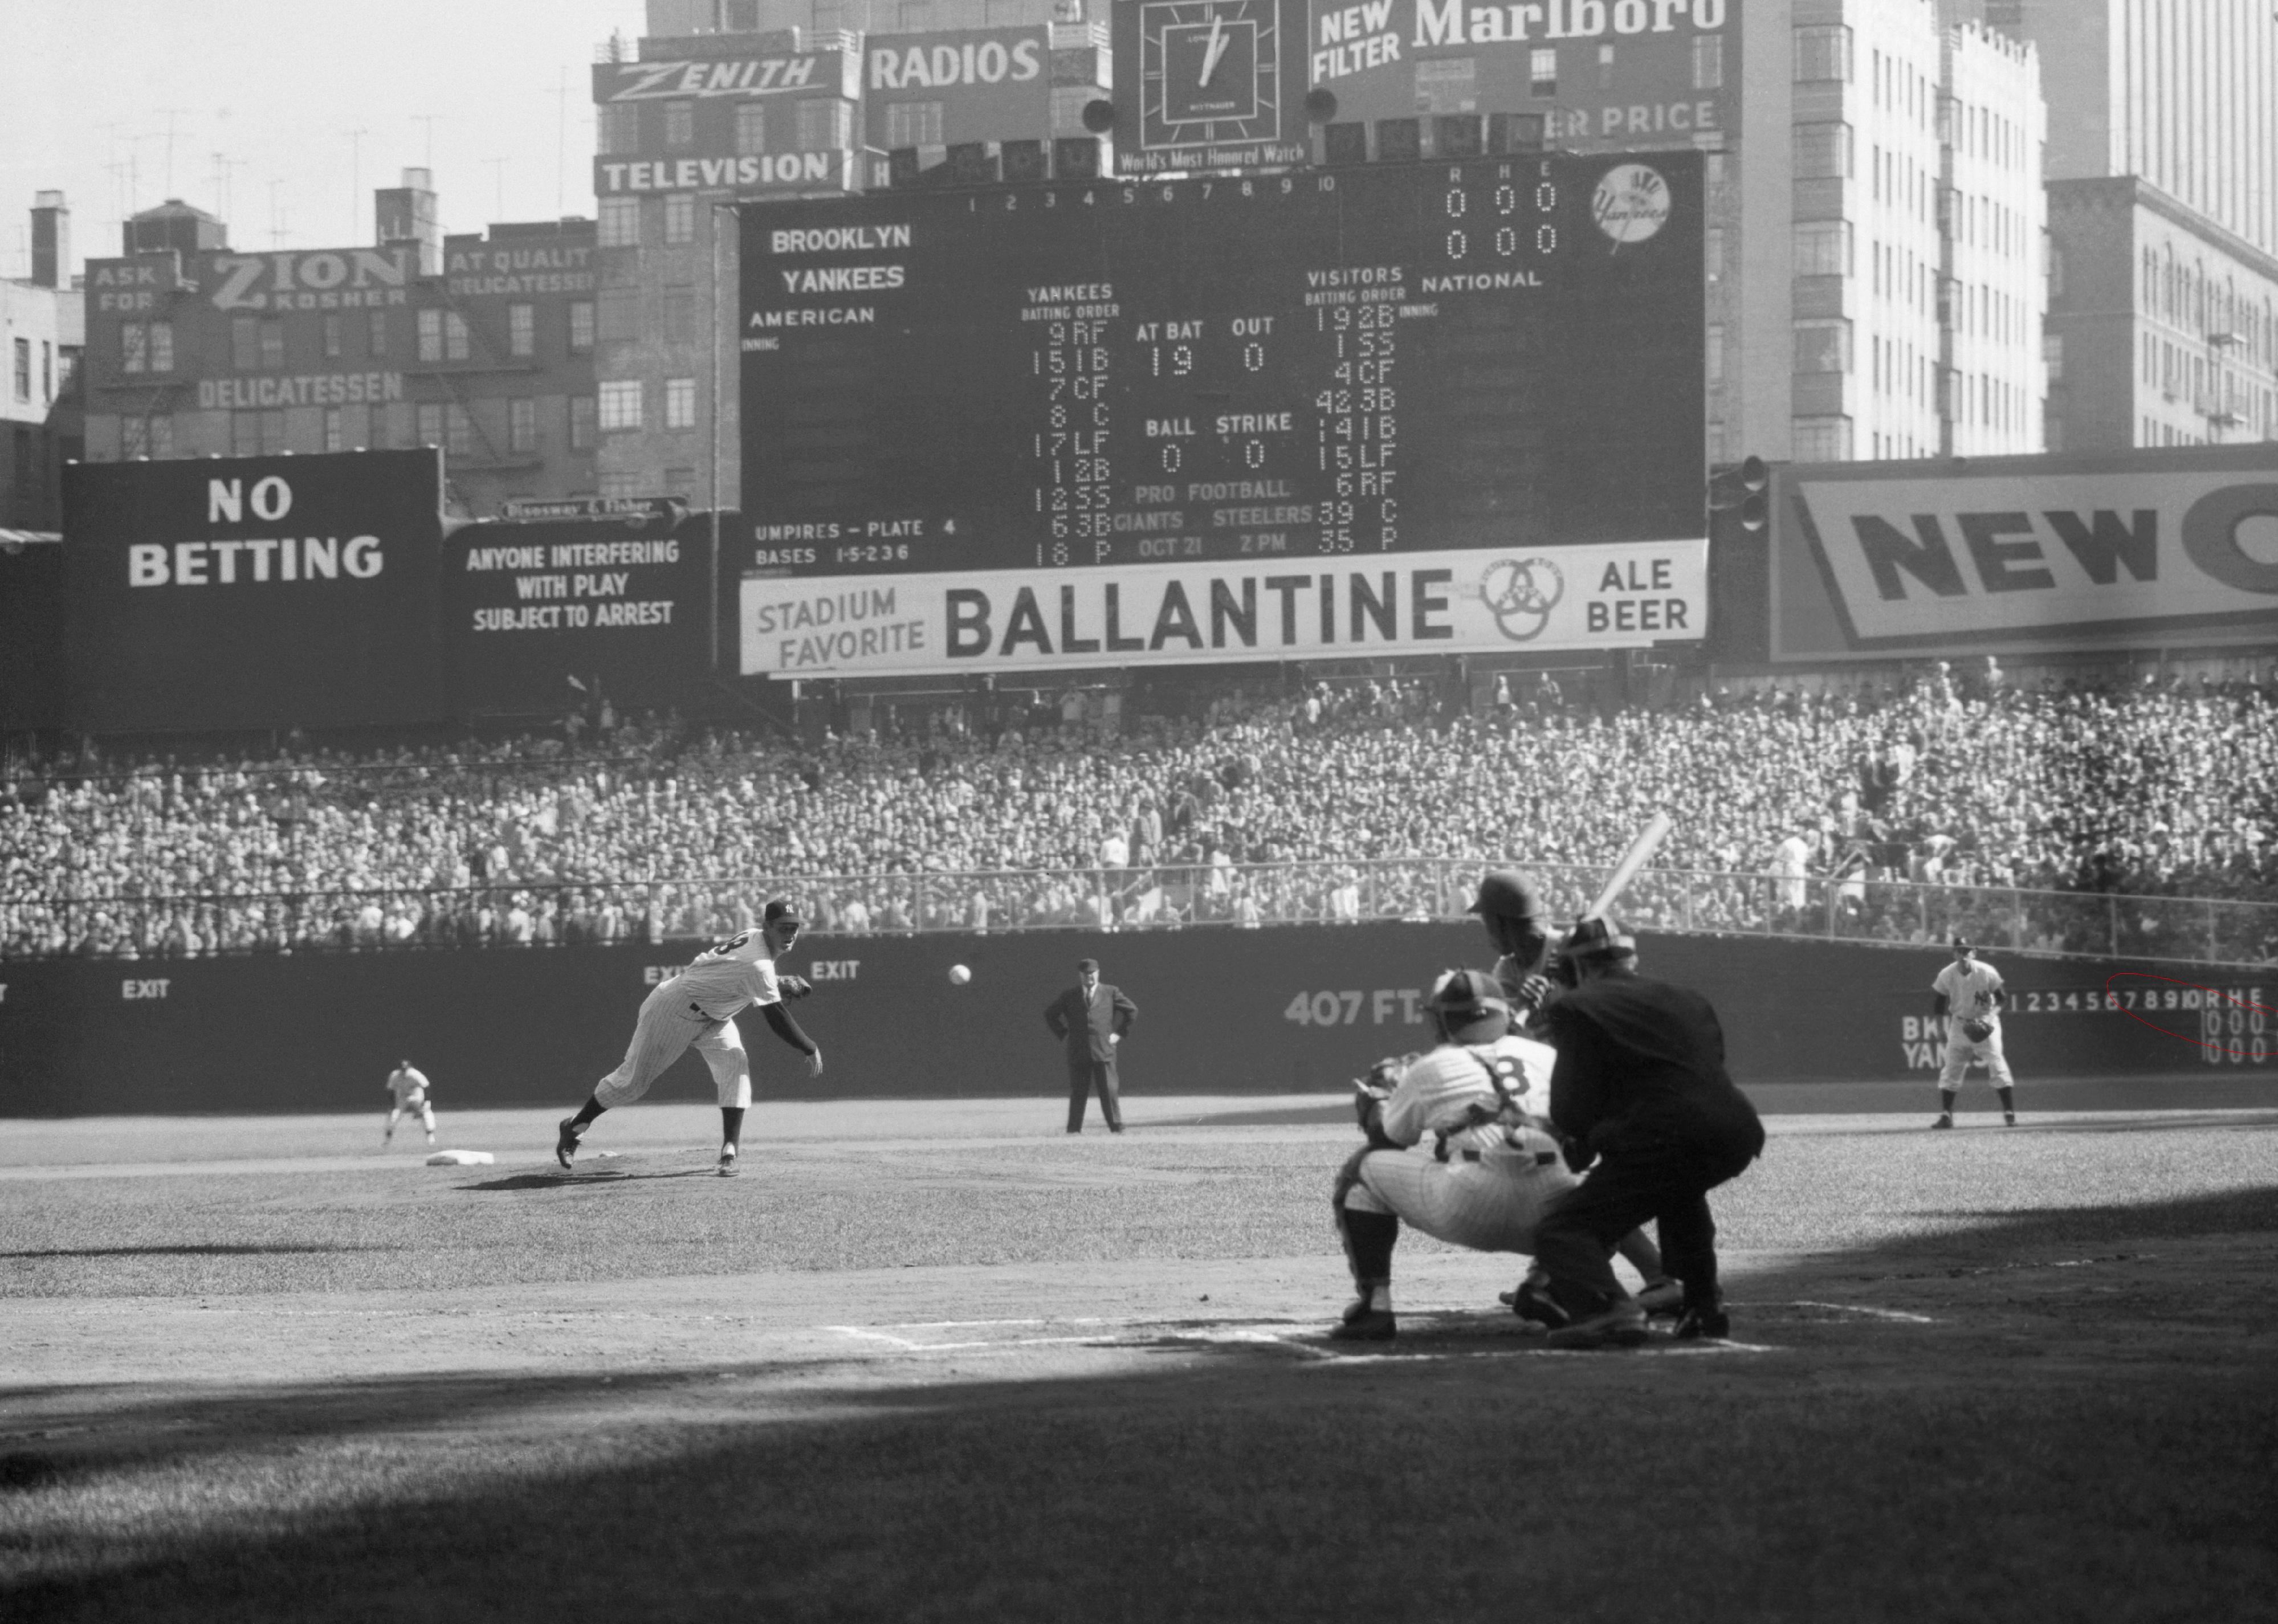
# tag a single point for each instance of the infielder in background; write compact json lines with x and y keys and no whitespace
{"x":697,"y":1009}
{"x":1638,"y":1088}
{"x":1966,"y":995}
{"x":409,"y":1089}
{"x":1511,"y":910}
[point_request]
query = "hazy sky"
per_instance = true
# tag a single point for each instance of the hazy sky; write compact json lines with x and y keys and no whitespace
{"x":89,"y":89}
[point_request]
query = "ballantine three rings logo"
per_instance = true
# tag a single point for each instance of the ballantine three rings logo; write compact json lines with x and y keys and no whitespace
{"x":1520,"y":593}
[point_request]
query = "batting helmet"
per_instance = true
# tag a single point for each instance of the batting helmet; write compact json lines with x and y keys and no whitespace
{"x":1469,"y":1006}
{"x":1507,"y":892}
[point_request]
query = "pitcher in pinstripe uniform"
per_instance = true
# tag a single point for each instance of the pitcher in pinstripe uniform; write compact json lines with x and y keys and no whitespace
{"x":697,"y":1009}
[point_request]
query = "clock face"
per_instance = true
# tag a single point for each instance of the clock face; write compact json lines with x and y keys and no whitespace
{"x":1210,"y":73}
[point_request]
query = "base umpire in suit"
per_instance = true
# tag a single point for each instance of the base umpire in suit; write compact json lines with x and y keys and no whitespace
{"x":1091,"y":1017}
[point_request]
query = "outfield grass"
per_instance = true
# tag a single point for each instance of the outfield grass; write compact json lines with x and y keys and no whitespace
{"x":1004,"y":1374}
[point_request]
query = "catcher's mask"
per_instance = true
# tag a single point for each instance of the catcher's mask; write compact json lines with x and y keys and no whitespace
{"x":1468,"y":1007}
{"x":1593,"y":944}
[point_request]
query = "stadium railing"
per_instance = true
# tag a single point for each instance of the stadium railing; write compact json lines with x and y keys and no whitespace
{"x":1225,"y":895}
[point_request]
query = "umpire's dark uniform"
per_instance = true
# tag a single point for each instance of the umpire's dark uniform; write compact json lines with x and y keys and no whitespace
{"x":1084,"y":1018}
{"x":1641,"y":1084}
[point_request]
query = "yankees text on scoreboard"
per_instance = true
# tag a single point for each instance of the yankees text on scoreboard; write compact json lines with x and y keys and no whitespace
{"x":1499,"y":354}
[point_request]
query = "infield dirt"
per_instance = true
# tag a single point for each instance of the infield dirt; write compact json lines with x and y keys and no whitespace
{"x":941,"y":1361}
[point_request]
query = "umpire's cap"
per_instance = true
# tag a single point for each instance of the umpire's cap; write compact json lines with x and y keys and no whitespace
{"x":1470,"y":1004}
{"x":781,"y":913}
{"x":1595,"y":939}
{"x":1507,"y":892}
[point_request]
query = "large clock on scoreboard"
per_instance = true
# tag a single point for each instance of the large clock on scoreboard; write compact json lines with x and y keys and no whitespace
{"x":1501,"y":353}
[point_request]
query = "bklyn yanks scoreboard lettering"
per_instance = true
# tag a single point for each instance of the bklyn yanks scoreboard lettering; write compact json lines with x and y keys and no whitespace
{"x":1498,"y":356}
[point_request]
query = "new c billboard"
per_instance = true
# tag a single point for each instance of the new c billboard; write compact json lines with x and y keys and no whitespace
{"x":2138,"y":549}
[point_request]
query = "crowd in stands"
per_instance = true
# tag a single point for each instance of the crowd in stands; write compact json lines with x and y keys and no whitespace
{"x":1901,"y":811}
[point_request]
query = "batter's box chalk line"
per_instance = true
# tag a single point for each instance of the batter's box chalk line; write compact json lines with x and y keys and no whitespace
{"x":1896,"y":1315}
{"x":1095,"y":1332}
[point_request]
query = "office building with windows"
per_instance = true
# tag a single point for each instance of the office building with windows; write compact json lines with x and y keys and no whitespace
{"x":2181,"y":92}
{"x":480,"y":344}
{"x":40,"y":332}
{"x":1889,"y":216}
{"x":2162,"y":326}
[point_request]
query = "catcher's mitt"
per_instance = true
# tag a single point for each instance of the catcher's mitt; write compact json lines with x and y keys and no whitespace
{"x":1977,"y":1031}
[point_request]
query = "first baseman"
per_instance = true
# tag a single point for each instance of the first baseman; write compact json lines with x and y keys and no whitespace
{"x":410,"y":1088}
{"x":1457,"y":1147}
{"x":1966,"y":995}
{"x":697,"y":1009}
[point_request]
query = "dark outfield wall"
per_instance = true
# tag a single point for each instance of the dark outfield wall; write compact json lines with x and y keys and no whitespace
{"x":1221,"y":1011}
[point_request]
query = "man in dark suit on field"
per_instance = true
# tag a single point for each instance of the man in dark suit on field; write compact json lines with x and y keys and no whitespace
{"x":1091,"y":1017}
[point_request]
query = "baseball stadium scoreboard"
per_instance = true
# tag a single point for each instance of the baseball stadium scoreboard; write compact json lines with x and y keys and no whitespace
{"x":1305,"y":371}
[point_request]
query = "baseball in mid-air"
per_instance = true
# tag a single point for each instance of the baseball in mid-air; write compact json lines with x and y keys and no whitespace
{"x":958,"y":975}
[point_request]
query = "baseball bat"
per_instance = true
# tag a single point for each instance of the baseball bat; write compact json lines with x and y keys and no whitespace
{"x":1637,"y":857}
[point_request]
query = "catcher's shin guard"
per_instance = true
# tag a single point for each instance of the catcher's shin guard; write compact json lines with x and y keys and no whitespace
{"x":1369,"y":1238}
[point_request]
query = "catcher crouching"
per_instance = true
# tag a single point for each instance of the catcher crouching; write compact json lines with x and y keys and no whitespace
{"x":1458,"y":1145}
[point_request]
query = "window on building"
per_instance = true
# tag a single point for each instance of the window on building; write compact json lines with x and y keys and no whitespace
{"x":272,"y":431}
{"x":752,"y":128}
{"x":581,"y":417}
{"x":1543,"y":71}
{"x":458,"y":431}
{"x":680,"y":218}
{"x":1822,"y":54}
{"x":332,"y":338}
{"x":134,"y":439}
{"x":454,"y":336}
{"x":740,"y":16}
{"x":679,"y":482}
{"x":1823,"y":439}
{"x":272,"y":345}
{"x":1716,"y":347}
{"x":376,"y":333}
{"x":829,"y":16}
{"x":616,"y":129}
{"x":47,"y":370}
{"x":244,"y":343}
{"x":916,"y":16}
{"x":162,"y":346}
{"x":1707,"y":62}
{"x":336,"y":437}
{"x":679,"y":314}
{"x":620,"y":314}
{"x":826,"y":125}
{"x":679,"y":402}
{"x":522,"y":330}
{"x":1822,"y":248}
{"x":1823,"y":346}
{"x":918,"y":124}
{"x":680,"y":124}
{"x":1605,"y":67}
{"x":619,"y":223}
{"x":1823,"y":152}
{"x":1712,"y":254}
{"x":581,"y":327}
{"x":620,"y":484}
{"x":430,"y":424}
{"x":521,"y":425}
{"x":133,"y":347}
{"x":431,"y":335}
{"x":621,"y":404}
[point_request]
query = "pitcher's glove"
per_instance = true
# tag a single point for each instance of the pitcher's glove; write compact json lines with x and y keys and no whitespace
{"x":794,"y":986}
{"x":1976,"y":1031}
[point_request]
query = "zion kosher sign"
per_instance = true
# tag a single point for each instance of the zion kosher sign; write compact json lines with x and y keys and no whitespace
{"x":2165,"y":547}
